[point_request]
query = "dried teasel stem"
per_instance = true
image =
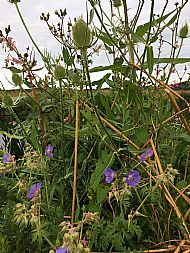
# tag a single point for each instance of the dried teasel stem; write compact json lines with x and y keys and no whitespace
{"x":75,"y":160}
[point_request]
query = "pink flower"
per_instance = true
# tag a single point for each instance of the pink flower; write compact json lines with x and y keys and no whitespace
{"x":10,"y":43}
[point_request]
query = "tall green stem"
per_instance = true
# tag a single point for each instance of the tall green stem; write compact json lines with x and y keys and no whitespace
{"x":26,"y":28}
{"x":62,"y":116}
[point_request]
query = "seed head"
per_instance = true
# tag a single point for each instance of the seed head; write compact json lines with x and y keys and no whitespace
{"x":82,"y":35}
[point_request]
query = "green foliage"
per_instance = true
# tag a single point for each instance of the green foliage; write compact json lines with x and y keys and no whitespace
{"x":92,"y":129}
{"x":116,"y":235}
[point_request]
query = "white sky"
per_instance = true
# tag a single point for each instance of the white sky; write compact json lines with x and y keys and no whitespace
{"x":32,"y":9}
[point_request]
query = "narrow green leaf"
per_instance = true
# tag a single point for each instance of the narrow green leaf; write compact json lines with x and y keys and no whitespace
{"x":142,"y":29}
{"x":66,"y":56}
{"x":91,"y":16}
{"x":150,"y":58}
{"x":105,"y":38}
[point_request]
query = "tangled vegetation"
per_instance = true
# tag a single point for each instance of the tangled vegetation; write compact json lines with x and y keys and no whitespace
{"x":87,"y":168}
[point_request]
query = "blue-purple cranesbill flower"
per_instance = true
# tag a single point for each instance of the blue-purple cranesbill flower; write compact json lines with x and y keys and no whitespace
{"x":149,"y":152}
{"x":34,"y":189}
{"x":133,"y":178}
{"x":7,"y":158}
{"x":109,"y":175}
{"x":62,"y":250}
{"x":49,"y":150}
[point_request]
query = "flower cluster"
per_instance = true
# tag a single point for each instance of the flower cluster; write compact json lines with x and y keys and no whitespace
{"x":133,"y":176}
{"x":72,"y":239}
{"x":9,"y":42}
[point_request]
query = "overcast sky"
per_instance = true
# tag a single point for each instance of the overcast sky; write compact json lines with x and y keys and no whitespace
{"x":32,"y":9}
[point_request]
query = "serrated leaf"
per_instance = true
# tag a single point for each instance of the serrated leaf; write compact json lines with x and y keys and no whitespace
{"x":12,"y":136}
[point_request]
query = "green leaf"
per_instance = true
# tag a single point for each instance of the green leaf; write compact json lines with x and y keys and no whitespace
{"x":91,"y":16}
{"x":142,"y":29}
{"x":123,"y":69}
{"x":184,"y":137}
{"x":93,"y":207}
{"x":101,"y":81}
{"x":105,"y":38}
{"x":137,"y":39}
{"x":168,"y":60}
{"x":66,"y":56}
{"x":172,"y":20}
{"x":15,"y":70}
{"x":102,"y":193}
{"x":103,"y":163}
{"x":181,"y":184}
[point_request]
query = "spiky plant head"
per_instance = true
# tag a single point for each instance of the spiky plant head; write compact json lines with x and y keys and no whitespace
{"x":82,"y":35}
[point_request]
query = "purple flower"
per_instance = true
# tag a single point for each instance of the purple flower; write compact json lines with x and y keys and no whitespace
{"x":149,"y":152}
{"x":62,"y":250}
{"x":133,"y":178}
{"x":49,"y":151}
{"x":34,"y":189}
{"x":109,"y":175}
{"x":7,"y":158}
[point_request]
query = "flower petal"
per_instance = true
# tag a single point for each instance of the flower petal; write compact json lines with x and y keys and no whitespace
{"x":62,"y":250}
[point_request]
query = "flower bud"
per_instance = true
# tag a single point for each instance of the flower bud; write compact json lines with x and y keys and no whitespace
{"x":75,"y":236}
{"x":183,"y":33}
{"x":80,"y":247}
{"x":67,"y":238}
{"x":7,"y":101}
{"x":117,"y":3}
{"x":75,"y":78}
{"x":18,"y":219}
{"x":17,"y":79}
{"x":19,"y":205}
{"x":82,"y":35}
{"x":87,"y":250}
{"x":59,"y":72}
